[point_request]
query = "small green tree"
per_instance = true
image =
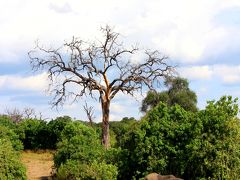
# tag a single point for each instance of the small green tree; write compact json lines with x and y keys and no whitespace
{"x":214,"y":153}
{"x":36,"y":134}
{"x":80,"y":154}
{"x":158,"y":143}
{"x":178,"y":92}
{"x":9,"y":130}
{"x":78,"y":142}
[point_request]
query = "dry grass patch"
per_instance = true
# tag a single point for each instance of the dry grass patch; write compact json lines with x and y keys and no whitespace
{"x":39,"y":163}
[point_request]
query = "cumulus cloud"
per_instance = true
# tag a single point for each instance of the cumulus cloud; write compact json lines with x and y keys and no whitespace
{"x":196,"y":72}
{"x":118,"y":108}
{"x":228,"y":74}
{"x":190,"y":32}
{"x":64,"y":8}
{"x":29,"y":83}
{"x":184,"y":29}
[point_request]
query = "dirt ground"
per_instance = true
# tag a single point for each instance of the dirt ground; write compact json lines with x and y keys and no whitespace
{"x":39,"y":164}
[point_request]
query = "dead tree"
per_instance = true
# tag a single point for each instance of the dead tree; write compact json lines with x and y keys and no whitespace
{"x":15,"y":114}
{"x":101,"y":66}
{"x":18,"y":115}
{"x":29,"y":113}
{"x":90,"y":113}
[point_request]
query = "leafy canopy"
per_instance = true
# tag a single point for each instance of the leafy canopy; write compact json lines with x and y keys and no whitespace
{"x":178,"y":92}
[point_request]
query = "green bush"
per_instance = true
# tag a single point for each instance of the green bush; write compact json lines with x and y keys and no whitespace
{"x":80,"y":154}
{"x":7,"y":122}
{"x":120,"y":128}
{"x":10,"y":165}
{"x":79,"y":142}
{"x":6,"y":133}
{"x":36,"y":134}
{"x":214,"y":152}
{"x":95,"y":171}
{"x":158,"y":143}
{"x":55,"y":128}
{"x":170,"y":140}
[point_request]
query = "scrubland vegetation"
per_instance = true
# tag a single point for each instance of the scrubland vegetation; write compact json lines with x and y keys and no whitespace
{"x":172,"y":137}
{"x":203,"y":144}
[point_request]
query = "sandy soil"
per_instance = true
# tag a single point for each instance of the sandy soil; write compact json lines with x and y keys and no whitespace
{"x":39,"y":164}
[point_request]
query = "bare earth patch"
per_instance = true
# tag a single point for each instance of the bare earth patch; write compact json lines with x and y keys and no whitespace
{"x":38,"y":163}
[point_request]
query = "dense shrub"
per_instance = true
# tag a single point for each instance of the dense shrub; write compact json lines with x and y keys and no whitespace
{"x":10,"y":165}
{"x":120,"y":128}
{"x":93,"y":171}
{"x":36,"y":134}
{"x":170,"y":140}
{"x":158,"y":143}
{"x":167,"y":140}
{"x":6,"y":133}
{"x":7,"y":122}
{"x":214,"y":152}
{"x":79,"y":142}
{"x":55,"y":127}
{"x":80,"y":154}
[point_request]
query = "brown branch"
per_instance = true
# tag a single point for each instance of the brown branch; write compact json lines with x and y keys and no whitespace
{"x":87,"y":64}
{"x":90,"y":113}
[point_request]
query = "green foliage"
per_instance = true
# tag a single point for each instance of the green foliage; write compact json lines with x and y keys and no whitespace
{"x":158,"y":144}
{"x":171,"y":140}
{"x":79,"y":142}
{"x":6,"y":133}
{"x":120,"y":128}
{"x":8,"y":130}
{"x":95,"y":171}
{"x":55,"y":127}
{"x":7,"y":122}
{"x":80,"y":154}
{"x":10,"y":165}
{"x":36,"y":134}
{"x":178,"y":92}
{"x":214,"y":153}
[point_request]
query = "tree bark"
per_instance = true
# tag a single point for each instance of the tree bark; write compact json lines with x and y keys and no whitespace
{"x":105,"y":123}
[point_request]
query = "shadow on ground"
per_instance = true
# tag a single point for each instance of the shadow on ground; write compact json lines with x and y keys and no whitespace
{"x":46,"y":178}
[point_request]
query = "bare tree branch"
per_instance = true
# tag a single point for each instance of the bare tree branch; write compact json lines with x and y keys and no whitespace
{"x":15,"y":114}
{"x":90,"y":113}
{"x":29,"y":113}
{"x":82,"y":68}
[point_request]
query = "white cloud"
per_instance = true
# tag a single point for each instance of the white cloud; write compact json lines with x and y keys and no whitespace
{"x":196,"y":72}
{"x":231,"y":79}
{"x":32,"y":83}
{"x":185,"y":30}
{"x":64,"y":8}
{"x":118,"y":108}
{"x":228,"y":74}
{"x":182,"y":29}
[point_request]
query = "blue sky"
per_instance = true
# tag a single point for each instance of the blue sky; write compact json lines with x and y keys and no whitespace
{"x":202,"y":37}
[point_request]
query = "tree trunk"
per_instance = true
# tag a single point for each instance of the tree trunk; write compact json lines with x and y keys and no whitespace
{"x":105,"y":123}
